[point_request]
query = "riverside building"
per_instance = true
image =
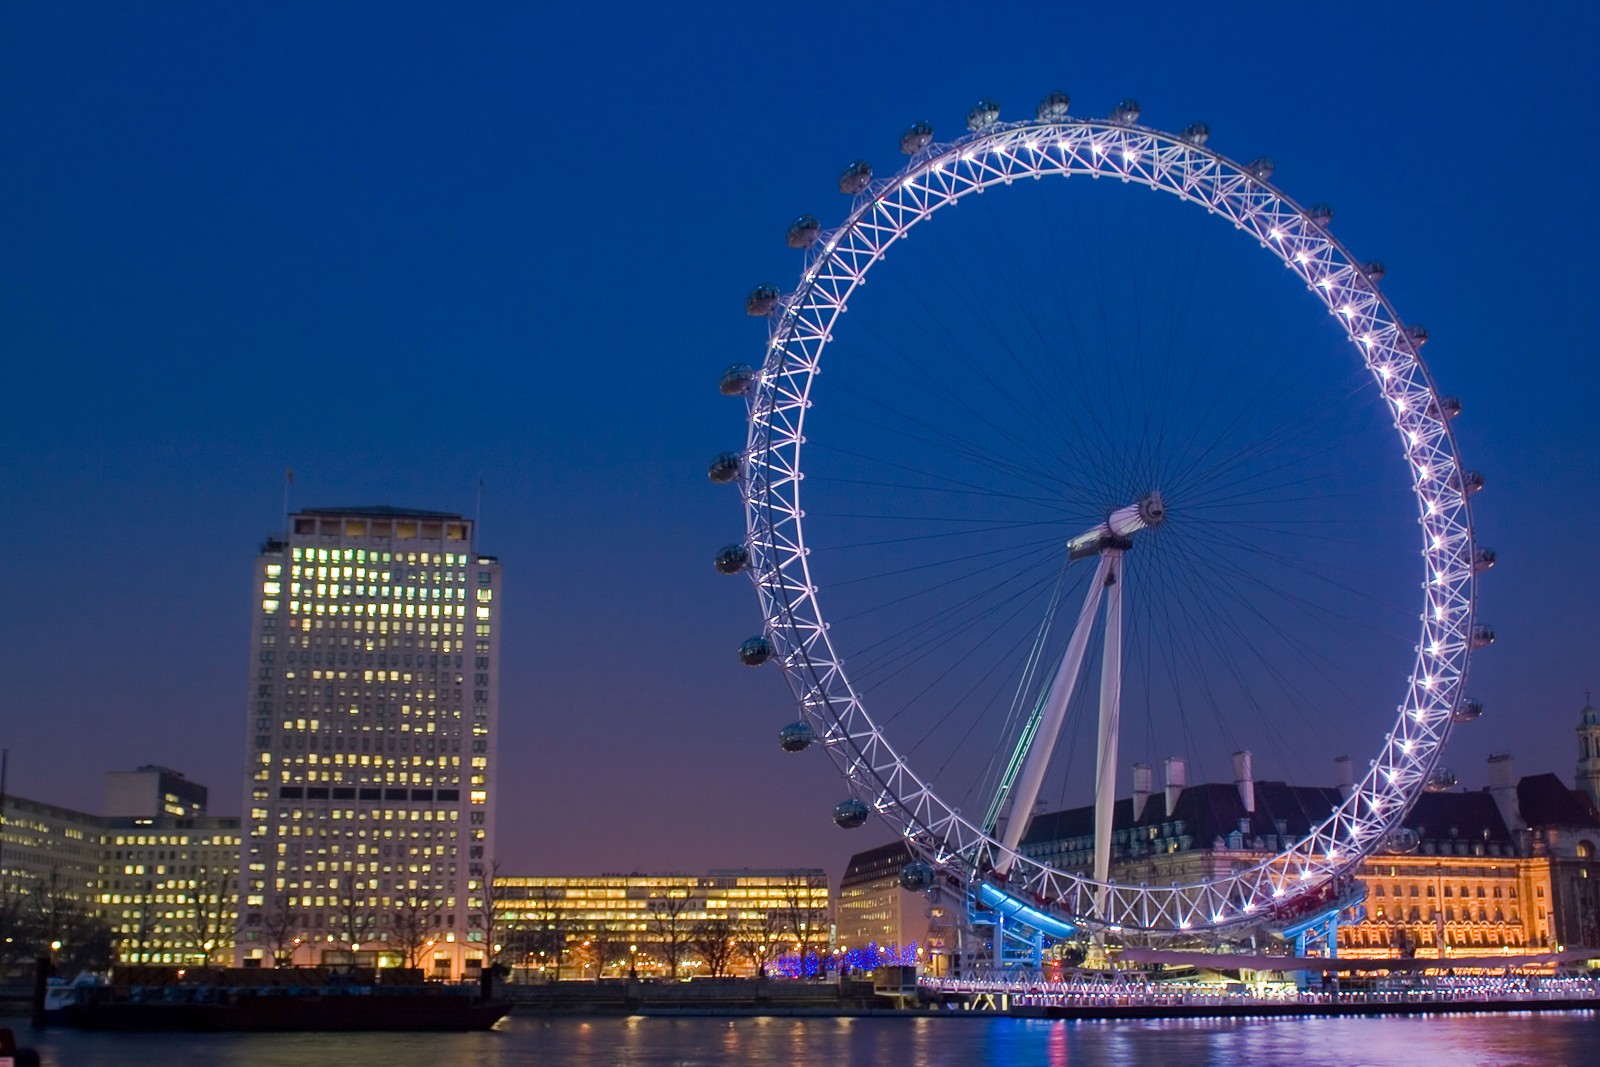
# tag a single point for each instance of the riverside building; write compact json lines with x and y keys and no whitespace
{"x":371,"y":739}
{"x":724,"y":922}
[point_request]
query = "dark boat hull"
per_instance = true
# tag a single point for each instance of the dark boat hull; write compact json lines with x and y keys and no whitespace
{"x":316,"y":1012}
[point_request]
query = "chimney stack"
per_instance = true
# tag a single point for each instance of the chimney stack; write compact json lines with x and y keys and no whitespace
{"x":1244,"y":781}
{"x":1177,"y":778}
{"x":1345,"y":768}
{"x":1503,"y":787}
{"x":1144,"y":777}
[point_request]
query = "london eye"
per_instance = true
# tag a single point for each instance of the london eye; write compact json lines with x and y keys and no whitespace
{"x":1093,"y":474}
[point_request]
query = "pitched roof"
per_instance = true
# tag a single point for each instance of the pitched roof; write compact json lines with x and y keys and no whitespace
{"x":1546,"y":800}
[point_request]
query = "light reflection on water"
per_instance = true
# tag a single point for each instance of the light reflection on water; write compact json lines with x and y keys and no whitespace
{"x":1543,"y":1039}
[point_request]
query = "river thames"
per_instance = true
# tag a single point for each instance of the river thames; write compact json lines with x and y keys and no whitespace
{"x":1545,"y":1039}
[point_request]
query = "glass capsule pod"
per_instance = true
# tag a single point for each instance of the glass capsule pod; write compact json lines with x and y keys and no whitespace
{"x":1483,"y":560}
{"x":849,"y":814}
{"x":731,"y":559}
{"x":1126,"y":112}
{"x":802,"y":232}
{"x":1440,"y":780}
{"x":984,"y":113}
{"x":796,"y":737}
{"x":916,"y":876}
{"x":1418,"y":335}
{"x":1321,"y":214}
{"x":918,"y":135}
{"x":725,"y":468}
{"x":737,"y":380}
{"x":1403,"y":840}
{"x":1482,"y":637}
{"x":1196,"y":133}
{"x":755,"y":651}
{"x":1469,"y":710}
{"x":1374,"y":270}
{"x":856,"y":177}
{"x":1053,"y":108}
{"x":1261,"y":169}
{"x":761,"y":301}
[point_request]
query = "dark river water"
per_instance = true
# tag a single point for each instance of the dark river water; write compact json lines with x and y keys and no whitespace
{"x":1546,"y":1040}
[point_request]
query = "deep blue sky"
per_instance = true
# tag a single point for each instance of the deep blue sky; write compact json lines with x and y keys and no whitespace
{"x":397,"y":253}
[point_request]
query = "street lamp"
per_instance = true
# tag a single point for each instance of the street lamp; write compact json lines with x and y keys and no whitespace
{"x":633,"y":961}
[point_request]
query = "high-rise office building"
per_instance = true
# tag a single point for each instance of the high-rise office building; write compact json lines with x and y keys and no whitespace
{"x":371,"y":741}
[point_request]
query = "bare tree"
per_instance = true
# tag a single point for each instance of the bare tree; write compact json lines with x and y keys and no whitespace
{"x":483,"y":914}
{"x":757,"y":938}
{"x":552,"y":929}
{"x":802,"y":919}
{"x":351,"y":910}
{"x":412,"y":931}
{"x":279,"y":925}
{"x":713,"y":940}
{"x":213,"y":918}
{"x":669,"y":922}
{"x":604,"y":947}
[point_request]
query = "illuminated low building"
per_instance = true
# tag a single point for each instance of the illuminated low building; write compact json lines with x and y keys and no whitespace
{"x":170,"y":888}
{"x":721,"y":922}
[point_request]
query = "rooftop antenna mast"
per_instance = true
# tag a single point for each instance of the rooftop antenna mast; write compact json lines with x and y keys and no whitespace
{"x":477,"y":516}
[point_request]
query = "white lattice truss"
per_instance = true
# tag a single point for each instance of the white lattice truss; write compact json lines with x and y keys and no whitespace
{"x":800,"y":329}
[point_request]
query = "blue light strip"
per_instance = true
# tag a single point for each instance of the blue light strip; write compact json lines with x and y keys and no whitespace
{"x":1010,"y":907}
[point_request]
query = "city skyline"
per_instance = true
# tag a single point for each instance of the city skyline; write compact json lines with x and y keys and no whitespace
{"x":250,"y":248}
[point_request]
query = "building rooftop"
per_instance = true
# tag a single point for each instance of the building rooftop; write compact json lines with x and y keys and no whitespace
{"x":1546,"y":800}
{"x":382,"y":511}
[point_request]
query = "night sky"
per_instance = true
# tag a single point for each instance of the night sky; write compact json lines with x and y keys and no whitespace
{"x":401,"y":254}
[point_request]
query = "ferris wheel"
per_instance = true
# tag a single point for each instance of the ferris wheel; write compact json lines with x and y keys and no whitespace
{"x":1029,"y":516}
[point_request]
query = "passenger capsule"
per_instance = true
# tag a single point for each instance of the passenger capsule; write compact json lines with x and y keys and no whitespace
{"x":756,"y":651}
{"x":1469,"y":710}
{"x":731,"y":559}
{"x":761,"y":301}
{"x":1053,"y":108}
{"x":918,"y":135}
{"x":856,"y":177}
{"x":1260,"y":169}
{"x":1321,"y":214}
{"x":1482,"y":637}
{"x":1374,"y":270}
{"x":737,"y":380}
{"x":725,"y":468}
{"x":1450,"y":406}
{"x":916,"y":876}
{"x":1126,"y":112}
{"x":1483,"y":560}
{"x":802,"y":232}
{"x":796,"y":737}
{"x":849,"y":814}
{"x":1441,"y":780}
{"x":1196,"y":133}
{"x":1471,"y":482}
{"x":1418,"y":335}
{"x":1403,"y":840}
{"x":985,"y":113}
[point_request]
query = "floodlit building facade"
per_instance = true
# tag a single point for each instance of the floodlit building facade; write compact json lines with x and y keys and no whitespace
{"x":169,"y":888}
{"x":721,"y":922}
{"x":371,"y":738}
{"x":881,"y":921}
{"x":1502,"y":870}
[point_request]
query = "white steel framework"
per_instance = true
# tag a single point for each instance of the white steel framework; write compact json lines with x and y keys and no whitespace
{"x":801,"y":325}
